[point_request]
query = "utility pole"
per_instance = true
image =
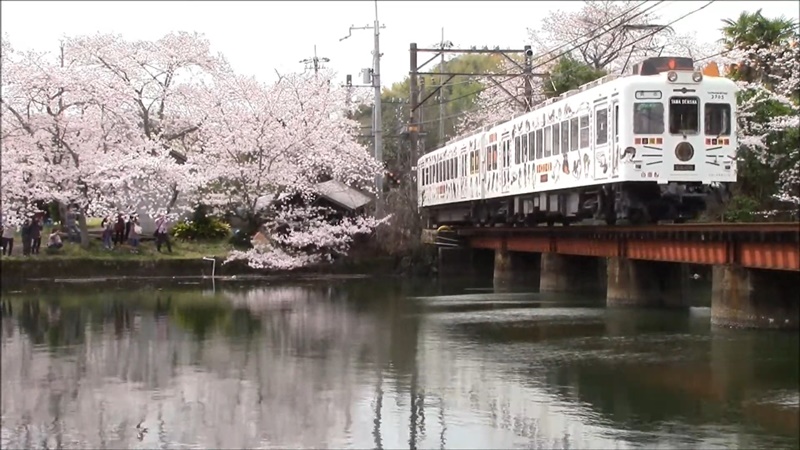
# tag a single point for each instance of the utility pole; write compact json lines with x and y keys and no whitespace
{"x":413,"y":121}
{"x":315,"y":61}
{"x":377,"y":117}
{"x":442,"y":45}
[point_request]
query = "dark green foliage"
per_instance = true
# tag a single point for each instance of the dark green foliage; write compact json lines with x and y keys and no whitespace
{"x":201,"y":227}
{"x":569,"y":74}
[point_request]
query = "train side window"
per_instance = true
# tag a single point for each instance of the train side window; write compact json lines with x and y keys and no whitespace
{"x":517,"y":150}
{"x":548,"y":141}
{"x":523,"y":139}
{"x":648,"y":118}
{"x":573,"y":134}
{"x":601,"y":126}
{"x":531,"y":140}
{"x":718,"y":119}
{"x":564,"y":136}
{"x":584,"y":131}
{"x":539,"y":147}
{"x":472,"y":162}
{"x":555,"y":139}
{"x":616,"y":123}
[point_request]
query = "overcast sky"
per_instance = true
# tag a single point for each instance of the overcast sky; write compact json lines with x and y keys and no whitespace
{"x":260,"y":37}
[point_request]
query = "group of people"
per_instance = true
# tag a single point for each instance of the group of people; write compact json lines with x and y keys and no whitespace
{"x":116,"y":231}
{"x":126,"y":228}
{"x":31,"y":236}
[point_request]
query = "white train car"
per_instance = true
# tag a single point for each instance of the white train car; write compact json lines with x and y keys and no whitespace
{"x":642,"y":148}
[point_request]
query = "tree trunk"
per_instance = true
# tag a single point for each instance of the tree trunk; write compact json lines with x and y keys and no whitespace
{"x":83,"y":228}
{"x":62,"y":213}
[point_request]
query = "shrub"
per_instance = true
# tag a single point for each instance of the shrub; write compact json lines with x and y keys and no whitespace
{"x":201,"y":227}
{"x":205,"y":230}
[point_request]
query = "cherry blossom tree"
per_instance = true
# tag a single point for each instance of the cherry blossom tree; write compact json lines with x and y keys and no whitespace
{"x":106,"y":123}
{"x":769,"y":110}
{"x":276,"y":143}
{"x":157,"y":79}
{"x":98,"y":125}
{"x":621,"y":32}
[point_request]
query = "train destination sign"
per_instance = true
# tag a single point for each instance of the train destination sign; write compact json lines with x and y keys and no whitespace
{"x":683,"y":101}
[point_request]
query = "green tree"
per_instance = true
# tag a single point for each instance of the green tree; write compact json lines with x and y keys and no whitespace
{"x":751,"y":29}
{"x":569,"y":74}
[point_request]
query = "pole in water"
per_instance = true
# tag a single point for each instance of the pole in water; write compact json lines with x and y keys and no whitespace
{"x":213,"y":266}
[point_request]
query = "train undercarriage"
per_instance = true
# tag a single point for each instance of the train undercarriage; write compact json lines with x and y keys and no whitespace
{"x":630,"y":203}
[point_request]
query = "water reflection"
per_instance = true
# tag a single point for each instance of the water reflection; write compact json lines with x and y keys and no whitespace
{"x":384,"y":365}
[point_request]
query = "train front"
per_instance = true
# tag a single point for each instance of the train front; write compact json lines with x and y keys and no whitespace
{"x":684,"y":132}
{"x":684,"y":127}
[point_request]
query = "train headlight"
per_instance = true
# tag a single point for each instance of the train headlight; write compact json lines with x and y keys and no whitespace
{"x":672,"y":76}
{"x":684,"y":151}
{"x":697,"y":77}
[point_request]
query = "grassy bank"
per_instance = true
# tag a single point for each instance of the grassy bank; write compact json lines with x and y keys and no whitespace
{"x":145,"y":252}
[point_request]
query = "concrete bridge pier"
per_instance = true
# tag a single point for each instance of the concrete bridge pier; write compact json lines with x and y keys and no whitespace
{"x":755,"y":298}
{"x":645,"y":283}
{"x":567,"y":273}
{"x":465,"y":262}
{"x":520,"y":268}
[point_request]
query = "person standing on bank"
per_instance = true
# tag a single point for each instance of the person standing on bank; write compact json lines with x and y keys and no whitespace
{"x":161,"y":234}
{"x":119,"y":230}
{"x":36,"y":235}
{"x":8,"y":239}
{"x":25,"y":233}
{"x":135,"y":233}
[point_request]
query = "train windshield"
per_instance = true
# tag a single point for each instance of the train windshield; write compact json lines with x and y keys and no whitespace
{"x":648,"y":118}
{"x":684,"y":115}
{"x":718,"y":119}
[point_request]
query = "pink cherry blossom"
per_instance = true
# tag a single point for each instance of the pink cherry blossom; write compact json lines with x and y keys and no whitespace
{"x":104,"y":123}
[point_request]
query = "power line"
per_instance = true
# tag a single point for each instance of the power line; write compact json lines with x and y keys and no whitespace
{"x":575,"y":47}
{"x":569,"y":71}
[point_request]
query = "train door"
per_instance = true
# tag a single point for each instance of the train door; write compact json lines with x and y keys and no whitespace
{"x":602,"y":166}
{"x":505,"y":172}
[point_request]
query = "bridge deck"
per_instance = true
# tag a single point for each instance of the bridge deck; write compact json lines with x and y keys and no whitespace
{"x":774,"y":246}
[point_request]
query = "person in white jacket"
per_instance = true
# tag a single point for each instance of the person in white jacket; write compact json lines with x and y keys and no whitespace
{"x":8,"y":239}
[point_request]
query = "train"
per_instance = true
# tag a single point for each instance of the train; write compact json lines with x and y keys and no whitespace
{"x":647,"y":147}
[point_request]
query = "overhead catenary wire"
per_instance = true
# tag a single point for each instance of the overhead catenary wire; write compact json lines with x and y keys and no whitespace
{"x":592,"y":37}
{"x":568,"y":71}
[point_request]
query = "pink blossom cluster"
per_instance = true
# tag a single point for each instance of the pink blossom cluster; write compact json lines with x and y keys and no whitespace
{"x":778,"y":83}
{"x":105,"y":122}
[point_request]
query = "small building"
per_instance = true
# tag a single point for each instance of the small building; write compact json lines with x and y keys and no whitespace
{"x":342,"y":196}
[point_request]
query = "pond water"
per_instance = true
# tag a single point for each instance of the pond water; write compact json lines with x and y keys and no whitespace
{"x":367,"y":363}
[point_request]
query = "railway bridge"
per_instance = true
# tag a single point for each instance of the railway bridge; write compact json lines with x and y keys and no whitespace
{"x":755,"y":267}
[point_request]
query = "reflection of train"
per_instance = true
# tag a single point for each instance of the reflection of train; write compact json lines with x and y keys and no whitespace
{"x":642,"y":147}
